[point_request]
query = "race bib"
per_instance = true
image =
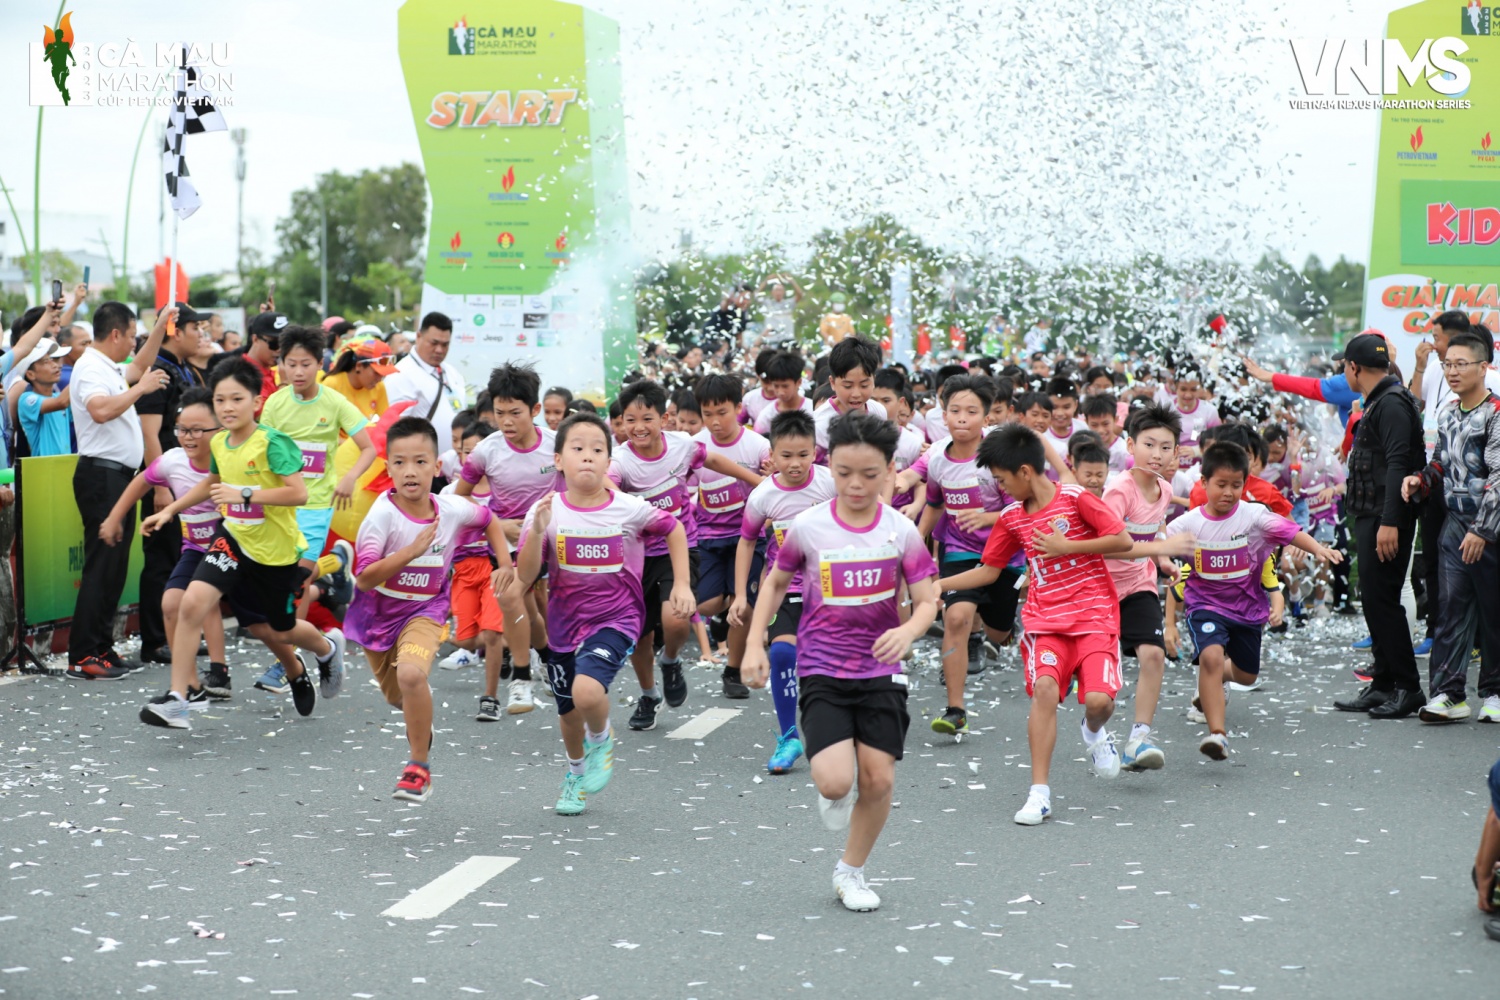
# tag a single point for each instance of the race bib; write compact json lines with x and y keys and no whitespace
{"x":198,"y":529}
{"x":247,"y":514}
{"x":962,"y":494}
{"x":591,"y":550}
{"x":314,"y":459}
{"x":419,"y":580}
{"x":779,"y":530}
{"x":858,"y":576}
{"x":1141,"y":533}
{"x":1222,"y":560}
{"x":722,"y":495}
{"x":666,"y":496}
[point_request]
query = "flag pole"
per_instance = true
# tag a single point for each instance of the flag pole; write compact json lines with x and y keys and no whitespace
{"x":180,"y":99}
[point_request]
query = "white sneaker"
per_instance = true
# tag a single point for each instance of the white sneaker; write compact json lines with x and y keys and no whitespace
{"x":1106,"y":758}
{"x":852,"y":890}
{"x":459,"y":659}
{"x":1037,"y":808}
{"x":835,"y":812}
{"x":1214,"y":746}
{"x":1490,"y":710}
{"x":1442,"y":708}
{"x":520,"y":698}
{"x":1195,"y":711}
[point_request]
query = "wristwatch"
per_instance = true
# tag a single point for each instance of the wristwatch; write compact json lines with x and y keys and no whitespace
{"x":247,"y":492}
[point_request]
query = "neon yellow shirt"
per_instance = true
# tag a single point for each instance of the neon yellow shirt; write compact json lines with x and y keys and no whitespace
{"x":314,"y":426}
{"x":266,"y":534}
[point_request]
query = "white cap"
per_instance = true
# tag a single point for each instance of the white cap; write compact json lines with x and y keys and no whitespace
{"x":46,"y":348}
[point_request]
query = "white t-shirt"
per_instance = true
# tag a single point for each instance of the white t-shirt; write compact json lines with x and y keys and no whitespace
{"x":416,"y":379}
{"x":118,"y":440}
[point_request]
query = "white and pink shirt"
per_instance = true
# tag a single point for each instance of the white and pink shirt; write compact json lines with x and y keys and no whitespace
{"x":909,"y":451}
{"x":1227,"y":556}
{"x":935,"y":424}
{"x":420,"y":588}
{"x":1316,"y":477}
{"x":517,"y":478}
{"x":753,"y":405}
{"x":772,"y":508}
{"x":1120,"y":459}
{"x":956,"y":485}
{"x":826,"y":414}
{"x":663,"y":481}
{"x":762,"y":424}
{"x":473,"y":543}
{"x":1194,"y":422}
{"x":174,"y":470}
{"x":1143,"y":520}
{"x":594,"y":558}
{"x":721,"y":498}
{"x":852,"y":585}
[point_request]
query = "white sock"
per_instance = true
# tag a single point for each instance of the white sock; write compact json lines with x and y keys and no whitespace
{"x":1045,"y":791}
{"x":178,"y":696}
{"x":575,"y":766}
{"x":845,"y":869}
{"x":1140,"y":731}
{"x":1090,"y":737}
{"x":331,"y":650}
{"x":651,"y":693}
{"x":592,"y":737}
{"x":669,"y":661}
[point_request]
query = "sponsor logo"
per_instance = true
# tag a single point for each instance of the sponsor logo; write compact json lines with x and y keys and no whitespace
{"x":507,"y":186}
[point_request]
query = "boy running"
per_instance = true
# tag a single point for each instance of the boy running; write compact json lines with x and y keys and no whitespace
{"x":852,"y":365}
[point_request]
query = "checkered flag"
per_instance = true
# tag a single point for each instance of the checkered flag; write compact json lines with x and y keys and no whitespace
{"x":193,"y":111}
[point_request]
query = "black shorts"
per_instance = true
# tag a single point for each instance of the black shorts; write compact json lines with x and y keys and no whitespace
{"x":868,"y":710}
{"x":182,"y":573}
{"x":715,"y":571}
{"x":1241,"y":641}
{"x":656,"y":586}
{"x":996,"y":603}
{"x":787,"y":618}
{"x":1140,"y":622}
{"x":254,"y":590}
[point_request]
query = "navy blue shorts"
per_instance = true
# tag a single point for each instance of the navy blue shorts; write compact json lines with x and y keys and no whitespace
{"x":716,"y":568}
{"x":600,"y":656}
{"x":1241,"y":642}
{"x":182,"y":573}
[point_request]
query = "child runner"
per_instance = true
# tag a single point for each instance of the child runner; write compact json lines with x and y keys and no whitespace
{"x":1063,"y":421}
{"x":1100,"y":413}
{"x":852,"y":365}
{"x":554,"y":406}
{"x":255,"y":477}
{"x":853,"y":693}
{"x":794,"y":486}
{"x":1195,"y":415}
{"x":1226,"y":607}
{"x":1071,"y":615}
{"x":591,"y":540}
{"x":782,"y":378}
{"x":402,"y":561}
{"x":1090,"y":464}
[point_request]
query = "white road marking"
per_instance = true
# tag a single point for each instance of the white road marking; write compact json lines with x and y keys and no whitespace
{"x":448,"y":888}
{"x":702,"y":724}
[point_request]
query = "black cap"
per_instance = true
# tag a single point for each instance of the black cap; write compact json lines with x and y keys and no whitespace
{"x":186,"y":314}
{"x":267,"y":324}
{"x":1368,"y":350}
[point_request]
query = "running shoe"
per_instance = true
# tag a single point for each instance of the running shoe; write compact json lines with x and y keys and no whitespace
{"x":304,"y":694}
{"x":1254,"y":685}
{"x":976,"y":655}
{"x":570,"y":802}
{"x":94,"y":668}
{"x":598,"y":764}
{"x":853,"y":893}
{"x":835,"y":812}
{"x":788,"y":749}
{"x":953,"y":722}
{"x":160,"y":654}
{"x":673,"y":684}
{"x":644,"y":716}
{"x":519,"y":700}
{"x":415,"y":784}
{"x":489,"y":709}
{"x":331,"y":670}
{"x":1140,"y":754}
{"x":459,"y":659}
{"x":1490,"y":710}
{"x":1442,"y":708}
{"x":1195,"y":713}
{"x":1106,"y":757}
{"x":1037,"y":808}
{"x":1364,"y":674}
{"x":167,"y":711}
{"x":1423,"y":648}
{"x":273,"y":680}
{"x":134,"y":666}
{"x":734,"y":688}
{"x":340,"y":586}
{"x":1214,"y":746}
{"x":1366,"y":643}
{"x":216,"y":681}
{"x":197,"y":699}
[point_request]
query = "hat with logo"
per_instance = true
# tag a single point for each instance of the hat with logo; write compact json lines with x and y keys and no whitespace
{"x":267,"y":324}
{"x":375,"y":353}
{"x":46,"y":348}
{"x":1368,"y":350}
{"x":187,"y":314}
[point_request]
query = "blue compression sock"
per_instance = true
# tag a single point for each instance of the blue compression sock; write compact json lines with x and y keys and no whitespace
{"x":784,"y":683}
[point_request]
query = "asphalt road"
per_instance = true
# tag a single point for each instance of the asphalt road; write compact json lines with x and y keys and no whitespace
{"x":1328,"y":858}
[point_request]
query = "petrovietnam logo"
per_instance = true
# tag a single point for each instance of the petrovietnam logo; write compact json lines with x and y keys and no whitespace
{"x":1374,"y":67}
{"x":1415,"y":141}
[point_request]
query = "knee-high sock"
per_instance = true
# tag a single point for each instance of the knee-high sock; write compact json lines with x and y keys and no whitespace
{"x":784,"y":684}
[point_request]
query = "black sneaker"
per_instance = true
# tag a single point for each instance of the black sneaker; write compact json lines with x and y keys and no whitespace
{"x":197,"y":699}
{"x":644,"y":716}
{"x":216,"y":681}
{"x":733,"y":686}
{"x":507,"y":668}
{"x":161,"y":654}
{"x":953,"y":722}
{"x":673,"y":684}
{"x":304,"y":693}
{"x":489,"y":709}
{"x":976,"y":655}
{"x":129,"y":666}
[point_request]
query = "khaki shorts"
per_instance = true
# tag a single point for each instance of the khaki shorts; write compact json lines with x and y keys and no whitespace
{"x":416,"y":646}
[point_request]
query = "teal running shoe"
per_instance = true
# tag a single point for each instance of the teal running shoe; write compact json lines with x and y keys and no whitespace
{"x":598,"y":764}
{"x":570,"y":802}
{"x":788,"y":749}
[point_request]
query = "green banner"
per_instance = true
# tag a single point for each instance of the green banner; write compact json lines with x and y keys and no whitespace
{"x":518,"y":114}
{"x":1435,"y":240}
{"x":52,"y":541}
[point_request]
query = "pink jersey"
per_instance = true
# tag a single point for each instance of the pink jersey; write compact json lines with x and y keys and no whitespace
{"x":174,"y":470}
{"x":776,"y":506}
{"x":826,"y":414}
{"x":663,"y":481}
{"x":594,"y":557}
{"x":1317,"y":476}
{"x":955,"y":485}
{"x":721,"y":498}
{"x":855,"y":594}
{"x":472,"y":542}
{"x":754,"y":403}
{"x":1194,"y":422}
{"x":1227,"y":559}
{"x":1143,"y":520}
{"x":517,"y":479}
{"x":420,"y":588}
{"x":1065,"y":595}
{"x":908,"y":454}
{"x":763,"y":419}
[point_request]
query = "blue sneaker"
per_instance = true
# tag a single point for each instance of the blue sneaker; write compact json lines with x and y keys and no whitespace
{"x":274,"y":680}
{"x":1142,"y":755}
{"x":1423,"y":648}
{"x":570,"y":802}
{"x":788,"y":749}
{"x":598,"y":764}
{"x":1364,"y":643}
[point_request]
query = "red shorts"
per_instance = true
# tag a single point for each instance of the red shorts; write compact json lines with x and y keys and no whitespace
{"x":1094,"y":657}
{"x":473,"y":598}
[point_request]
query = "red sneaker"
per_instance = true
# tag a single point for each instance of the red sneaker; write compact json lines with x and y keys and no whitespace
{"x":95,"y":668}
{"x":415,"y":784}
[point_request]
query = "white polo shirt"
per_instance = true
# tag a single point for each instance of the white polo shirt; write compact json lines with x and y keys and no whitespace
{"x":416,"y":379}
{"x":118,"y":440}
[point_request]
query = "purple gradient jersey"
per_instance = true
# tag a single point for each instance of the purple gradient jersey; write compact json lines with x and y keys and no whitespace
{"x":174,"y":470}
{"x":518,"y":479}
{"x":1227,"y":559}
{"x":420,"y":588}
{"x":663,"y":481}
{"x":956,"y":485}
{"x":472,"y":541}
{"x":852,"y":591}
{"x":753,"y":404}
{"x":763,"y":419}
{"x":908,"y":454}
{"x":721,"y":498}
{"x":594,"y":557}
{"x":772,"y":508}
{"x":1316,"y":477}
{"x":825,"y":415}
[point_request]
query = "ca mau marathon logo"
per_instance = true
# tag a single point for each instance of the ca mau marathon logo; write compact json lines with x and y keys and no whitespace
{"x":65,"y":71}
{"x":1475,"y":19}
{"x":488,"y":40}
{"x":57,"y":50}
{"x":1363,"y":73}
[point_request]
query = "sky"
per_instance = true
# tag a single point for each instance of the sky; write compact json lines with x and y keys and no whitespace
{"x":1054,"y":130}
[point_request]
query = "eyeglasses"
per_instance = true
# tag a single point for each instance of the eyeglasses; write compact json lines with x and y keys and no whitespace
{"x":193,"y":432}
{"x":1459,"y":366}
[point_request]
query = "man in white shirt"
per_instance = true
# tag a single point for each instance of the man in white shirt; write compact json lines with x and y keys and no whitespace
{"x":424,"y":376}
{"x":110,"y":449}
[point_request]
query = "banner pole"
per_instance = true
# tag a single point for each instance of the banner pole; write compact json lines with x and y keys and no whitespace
{"x":25,"y":660}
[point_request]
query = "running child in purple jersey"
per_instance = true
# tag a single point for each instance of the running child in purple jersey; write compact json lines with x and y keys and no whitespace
{"x":852,"y":365}
{"x":592,"y":541}
{"x":856,"y":553}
